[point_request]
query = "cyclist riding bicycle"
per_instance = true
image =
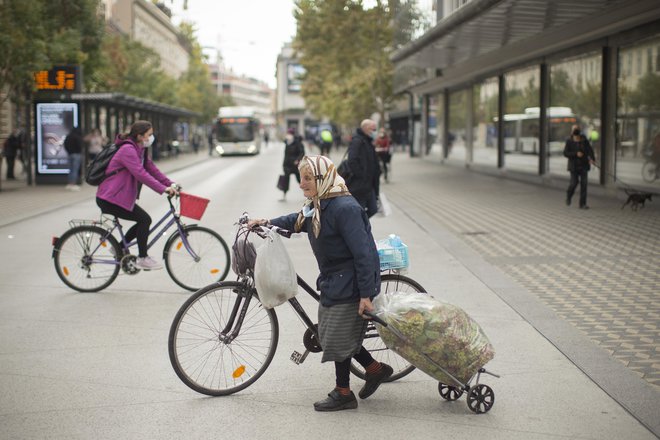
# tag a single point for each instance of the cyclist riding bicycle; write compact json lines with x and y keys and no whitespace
{"x":340,"y":235}
{"x":129,"y":168}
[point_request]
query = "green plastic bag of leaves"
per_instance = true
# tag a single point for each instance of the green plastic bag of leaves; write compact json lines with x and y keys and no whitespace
{"x":420,"y":326}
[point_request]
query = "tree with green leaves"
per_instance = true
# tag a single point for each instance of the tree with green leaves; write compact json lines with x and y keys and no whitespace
{"x":38,"y":34}
{"x":344,"y":50}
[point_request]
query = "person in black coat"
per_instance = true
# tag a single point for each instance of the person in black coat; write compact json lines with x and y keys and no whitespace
{"x":340,"y":236}
{"x":73,"y":144}
{"x":364,"y":167}
{"x":13,"y":147}
{"x":294,"y":150}
{"x":580,"y":158}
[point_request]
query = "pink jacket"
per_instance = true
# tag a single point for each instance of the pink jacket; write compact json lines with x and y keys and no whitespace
{"x":122,"y":188}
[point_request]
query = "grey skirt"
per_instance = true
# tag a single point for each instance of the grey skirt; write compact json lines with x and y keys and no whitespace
{"x":341,"y":331}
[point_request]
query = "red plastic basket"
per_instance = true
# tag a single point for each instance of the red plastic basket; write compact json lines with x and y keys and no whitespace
{"x":192,"y":206}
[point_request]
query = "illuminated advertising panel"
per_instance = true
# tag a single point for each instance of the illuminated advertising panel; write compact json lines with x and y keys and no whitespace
{"x":54,"y":122}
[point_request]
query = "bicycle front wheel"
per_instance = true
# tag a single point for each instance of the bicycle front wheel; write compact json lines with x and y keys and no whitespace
{"x":87,"y":258}
{"x":389,"y":283}
{"x":222,"y":339}
{"x":649,"y":171}
{"x":197,"y":258}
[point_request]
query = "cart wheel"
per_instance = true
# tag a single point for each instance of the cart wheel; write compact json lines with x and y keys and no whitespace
{"x":480,"y":399}
{"x":449,"y":392}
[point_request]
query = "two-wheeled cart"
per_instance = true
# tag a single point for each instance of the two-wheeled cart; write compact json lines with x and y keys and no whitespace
{"x":480,"y":397}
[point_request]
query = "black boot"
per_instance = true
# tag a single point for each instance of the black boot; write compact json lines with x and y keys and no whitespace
{"x":336,"y":402}
{"x":373,"y":381}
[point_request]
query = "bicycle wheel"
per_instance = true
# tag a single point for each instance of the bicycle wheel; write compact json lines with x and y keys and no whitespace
{"x":87,"y":258}
{"x":649,"y":171}
{"x":209,"y":265}
{"x":388,"y":283}
{"x":204,"y":352}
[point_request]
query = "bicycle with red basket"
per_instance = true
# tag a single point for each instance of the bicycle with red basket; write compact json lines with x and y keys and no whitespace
{"x":88,"y":257}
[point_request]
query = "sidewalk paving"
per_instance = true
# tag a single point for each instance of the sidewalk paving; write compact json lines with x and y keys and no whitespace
{"x":525,"y":266}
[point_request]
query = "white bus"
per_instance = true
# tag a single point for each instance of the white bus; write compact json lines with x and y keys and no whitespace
{"x":237,"y":131}
{"x":521,"y":130}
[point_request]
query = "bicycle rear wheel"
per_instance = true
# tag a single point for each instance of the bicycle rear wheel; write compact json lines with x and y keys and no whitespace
{"x":649,"y":171}
{"x":388,"y":283}
{"x":204,"y":351}
{"x":87,"y":258}
{"x":209,"y":265}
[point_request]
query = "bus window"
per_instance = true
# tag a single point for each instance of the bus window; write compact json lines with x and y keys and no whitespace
{"x":235,"y":130}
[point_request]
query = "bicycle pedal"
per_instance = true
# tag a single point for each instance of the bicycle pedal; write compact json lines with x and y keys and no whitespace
{"x":298,"y":358}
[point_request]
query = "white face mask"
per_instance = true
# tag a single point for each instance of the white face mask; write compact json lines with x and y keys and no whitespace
{"x":149,"y":141}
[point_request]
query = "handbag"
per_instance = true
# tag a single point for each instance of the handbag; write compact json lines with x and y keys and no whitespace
{"x":283,"y":182}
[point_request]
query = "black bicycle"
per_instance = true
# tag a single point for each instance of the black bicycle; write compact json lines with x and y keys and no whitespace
{"x":222,"y":339}
{"x":88,"y":257}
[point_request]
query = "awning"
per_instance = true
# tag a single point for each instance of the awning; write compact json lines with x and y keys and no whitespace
{"x":123,"y":100}
{"x":487,"y":35}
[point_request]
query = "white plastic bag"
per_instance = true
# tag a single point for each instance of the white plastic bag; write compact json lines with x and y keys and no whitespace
{"x":384,"y":208}
{"x":274,"y":274}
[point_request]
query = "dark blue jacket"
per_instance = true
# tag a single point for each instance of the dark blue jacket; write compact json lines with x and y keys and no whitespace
{"x":364,"y":165}
{"x":345,"y":251}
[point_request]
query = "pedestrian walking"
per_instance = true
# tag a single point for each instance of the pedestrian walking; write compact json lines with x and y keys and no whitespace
{"x":364,"y":169}
{"x":73,"y":144}
{"x":580,"y":158}
{"x":12,"y":148}
{"x":294,"y":150}
{"x":340,"y":235}
{"x":326,"y":142}
{"x":383,"y":151}
{"x":117,"y":194}
{"x":94,"y":141}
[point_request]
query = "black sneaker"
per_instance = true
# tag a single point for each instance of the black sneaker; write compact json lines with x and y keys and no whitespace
{"x":373,"y":381}
{"x":336,"y":402}
{"x":584,"y":207}
{"x":568,"y":201}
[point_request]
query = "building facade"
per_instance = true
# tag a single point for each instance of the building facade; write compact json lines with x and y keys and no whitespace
{"x":149,"y":25}
{"x":501,"y":82}
{"x":290,"y":105}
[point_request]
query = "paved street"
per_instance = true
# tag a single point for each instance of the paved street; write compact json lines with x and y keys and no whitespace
{"x":569,"y":299}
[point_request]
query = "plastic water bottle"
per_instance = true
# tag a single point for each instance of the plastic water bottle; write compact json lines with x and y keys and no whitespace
{"x":395,"y":240}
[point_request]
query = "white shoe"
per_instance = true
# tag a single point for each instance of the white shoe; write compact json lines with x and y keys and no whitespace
{"x":148,"y":263}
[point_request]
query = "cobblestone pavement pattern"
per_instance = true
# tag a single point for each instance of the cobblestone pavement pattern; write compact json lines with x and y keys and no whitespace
{"x":599,"y":269}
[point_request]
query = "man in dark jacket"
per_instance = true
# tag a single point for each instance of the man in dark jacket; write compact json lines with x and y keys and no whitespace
{"x":580,"y":157}
{"x":13,"y":147}
{"x":73,"y":144}
{"x":365,"y":170}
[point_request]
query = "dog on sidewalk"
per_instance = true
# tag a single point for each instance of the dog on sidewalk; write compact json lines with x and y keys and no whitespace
{"x":637,"y":199}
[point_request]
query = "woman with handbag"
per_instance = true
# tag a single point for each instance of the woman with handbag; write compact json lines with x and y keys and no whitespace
{"x":340,"y":235}
{"x":294,"y":150}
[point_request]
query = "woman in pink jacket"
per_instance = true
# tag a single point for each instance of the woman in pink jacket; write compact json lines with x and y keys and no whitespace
{"x":117,"y":194}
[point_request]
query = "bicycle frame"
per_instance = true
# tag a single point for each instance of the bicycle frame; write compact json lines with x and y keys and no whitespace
{"x":173,"y":219}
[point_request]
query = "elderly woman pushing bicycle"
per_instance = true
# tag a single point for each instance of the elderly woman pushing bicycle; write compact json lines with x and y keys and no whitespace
{"x":340,"y":235}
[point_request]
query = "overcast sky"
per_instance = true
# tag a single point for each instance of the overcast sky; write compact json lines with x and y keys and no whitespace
{"x":249,"y":33}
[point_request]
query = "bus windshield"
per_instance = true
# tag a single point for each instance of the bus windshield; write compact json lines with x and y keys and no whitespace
{"x":235,"y":130}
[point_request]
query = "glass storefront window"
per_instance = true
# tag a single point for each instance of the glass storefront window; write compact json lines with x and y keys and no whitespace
{"x":458,"y":109}
{"x":521,"y":120}
{"x":484,"y":129}
{"x":575,"y":99}
{"x":435,"y":126}
{"x":638,"y":115}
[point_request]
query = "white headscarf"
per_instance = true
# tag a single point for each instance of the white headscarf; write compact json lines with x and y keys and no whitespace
{"x":329,"y":184}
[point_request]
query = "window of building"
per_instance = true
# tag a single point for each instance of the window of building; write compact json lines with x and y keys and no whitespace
{"x":484,"y":129}
{"x":574,"y":100}
{"x":521,"y":120}
{"x":638,"y":116}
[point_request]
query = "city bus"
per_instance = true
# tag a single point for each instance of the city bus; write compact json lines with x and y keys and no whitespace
{"x":237,"y":131}
{"x":521,"y":130}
